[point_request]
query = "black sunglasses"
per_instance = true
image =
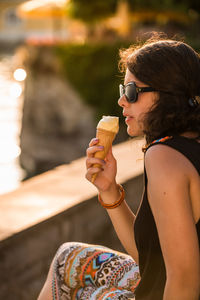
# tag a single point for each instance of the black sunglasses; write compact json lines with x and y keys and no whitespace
{"x":131,"y":91}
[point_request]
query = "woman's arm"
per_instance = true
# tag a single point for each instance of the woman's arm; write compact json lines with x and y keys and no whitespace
{"x":168,"y":174}
{"x":122,"y":217}
{"x":123,"y":221}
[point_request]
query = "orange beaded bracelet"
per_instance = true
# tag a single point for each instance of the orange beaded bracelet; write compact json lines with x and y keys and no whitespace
{"x":115,"y":204}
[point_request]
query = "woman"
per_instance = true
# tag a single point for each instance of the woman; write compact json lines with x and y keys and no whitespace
{"x":160,"y":100}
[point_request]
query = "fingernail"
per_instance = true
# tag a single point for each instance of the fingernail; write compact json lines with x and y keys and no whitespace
{"x":101,"y":147}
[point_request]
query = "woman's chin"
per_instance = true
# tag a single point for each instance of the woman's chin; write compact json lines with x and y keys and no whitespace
{"x":130,"y":132}
{"x":134,"y":133}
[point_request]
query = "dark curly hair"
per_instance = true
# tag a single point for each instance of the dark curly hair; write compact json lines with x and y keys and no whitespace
{"x":173,"y":68}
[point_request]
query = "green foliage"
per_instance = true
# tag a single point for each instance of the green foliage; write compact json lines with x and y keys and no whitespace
{"x":92,"y":11}
{"x":162,"y":5}
{"x":193,"y":4}
{"x":93,"y":71}
{"x":157,"y":4}
{"x":193,"y":41}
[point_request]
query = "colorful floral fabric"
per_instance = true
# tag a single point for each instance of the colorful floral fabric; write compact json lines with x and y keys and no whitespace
{"x":83,"y":271}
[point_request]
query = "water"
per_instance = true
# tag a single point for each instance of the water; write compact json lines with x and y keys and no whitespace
{"x":11,"y":100}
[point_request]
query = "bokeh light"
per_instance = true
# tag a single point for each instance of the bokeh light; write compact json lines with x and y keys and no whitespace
{"x":15,"y":90}
{"x":20,"y":74}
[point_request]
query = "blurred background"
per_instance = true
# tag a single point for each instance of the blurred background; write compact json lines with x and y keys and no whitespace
{"x":59,"y":73}
{"x":58,"y":76}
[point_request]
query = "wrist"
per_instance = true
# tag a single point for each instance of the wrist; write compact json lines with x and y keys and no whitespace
{"x":114,"y":200}
{"x":110,"y":194}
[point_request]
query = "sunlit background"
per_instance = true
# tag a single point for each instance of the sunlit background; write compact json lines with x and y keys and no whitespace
{"x":72,"y":28}
{"x":58,"y":75}
{"x":11,"y":101}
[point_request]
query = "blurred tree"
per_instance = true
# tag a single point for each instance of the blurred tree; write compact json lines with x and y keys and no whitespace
{"x":157,"y":4}
{"x":93,"y":11}
{"x":193,"y":4}
{"x":164,"y":4}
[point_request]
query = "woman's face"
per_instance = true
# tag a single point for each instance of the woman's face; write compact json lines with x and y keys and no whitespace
{"x":134,"y":112}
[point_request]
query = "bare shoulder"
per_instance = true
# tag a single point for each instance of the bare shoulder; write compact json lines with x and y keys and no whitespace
{"x":161,"y":158}
{"x":169,"y":170}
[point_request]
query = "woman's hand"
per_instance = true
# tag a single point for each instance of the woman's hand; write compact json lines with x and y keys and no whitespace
{"x":107,"y":173}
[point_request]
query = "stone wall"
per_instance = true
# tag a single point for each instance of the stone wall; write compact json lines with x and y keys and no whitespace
{"x":25,"y":257}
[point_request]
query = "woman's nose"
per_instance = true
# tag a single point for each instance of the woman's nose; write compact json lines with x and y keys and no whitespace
{"x":122,"y":101}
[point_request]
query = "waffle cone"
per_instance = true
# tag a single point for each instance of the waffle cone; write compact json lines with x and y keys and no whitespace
{"x":105,"y":139}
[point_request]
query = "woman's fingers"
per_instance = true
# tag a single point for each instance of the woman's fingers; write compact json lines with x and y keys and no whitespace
{"x":93,"y":142}
{"x":92,"y":160}
{"x":93,"y":165}
{"x":92,"y":150}
{"x":91,"y":172}
{"x":96,"y":165}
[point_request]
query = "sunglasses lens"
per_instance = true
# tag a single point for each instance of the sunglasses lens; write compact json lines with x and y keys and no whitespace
{"x":131,"y":93}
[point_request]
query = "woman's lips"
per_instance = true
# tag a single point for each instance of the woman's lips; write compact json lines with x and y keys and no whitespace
{"x":128,"y":119}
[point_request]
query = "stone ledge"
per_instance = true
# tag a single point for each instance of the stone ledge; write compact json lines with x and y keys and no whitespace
{"x":50,"y":193}
{"x":57,"y":207}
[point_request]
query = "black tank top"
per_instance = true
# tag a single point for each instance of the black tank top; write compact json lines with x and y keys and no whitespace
{"x":151,"y":262}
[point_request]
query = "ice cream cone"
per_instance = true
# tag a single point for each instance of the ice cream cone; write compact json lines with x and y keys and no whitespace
{"x":107,"y":128}
{"x":105,"y":139}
